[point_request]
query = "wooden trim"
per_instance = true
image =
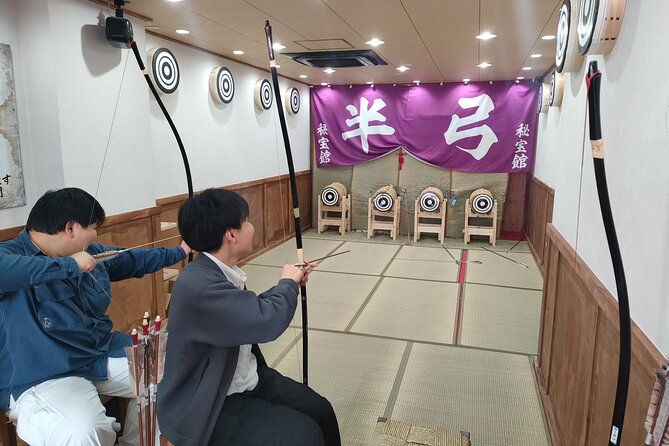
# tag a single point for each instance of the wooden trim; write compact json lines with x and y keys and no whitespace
{"x":131,"y":216}
{"x":9,"y":233}
{"x":539,"y":212}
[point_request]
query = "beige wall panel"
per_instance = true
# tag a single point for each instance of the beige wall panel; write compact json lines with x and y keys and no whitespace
{"x":367,"y":178}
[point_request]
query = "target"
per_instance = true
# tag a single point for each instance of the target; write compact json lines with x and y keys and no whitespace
{"x":482,"y":203}
{"x":567,"y":58}
{"x":221,"y":85}
{"x":557,"y":89}
{"x":330,"y":196}
{"x":292,"y":99}
{"x":429,"y":202}
{"x":164,"y":70}
{"x":383,"y":202}
{"x":544,"y":100}
{"x":599,"y":24}
{"x":262,"y":94}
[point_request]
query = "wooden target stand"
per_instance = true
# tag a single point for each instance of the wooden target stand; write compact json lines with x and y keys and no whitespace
{"x":384,"y":220}
{"x":337,"y":215}
{"x":489,"y":231}
{"x":430,"y":226}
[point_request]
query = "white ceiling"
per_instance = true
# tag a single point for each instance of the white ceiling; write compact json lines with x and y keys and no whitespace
{"x":435,"y":38}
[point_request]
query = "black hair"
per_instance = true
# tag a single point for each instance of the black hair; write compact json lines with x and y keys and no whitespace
{"x":205,"y":218}
{"x":56,"y":208}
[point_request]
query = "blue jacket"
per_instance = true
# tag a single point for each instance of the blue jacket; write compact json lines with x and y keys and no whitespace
{"x":53,"y":320}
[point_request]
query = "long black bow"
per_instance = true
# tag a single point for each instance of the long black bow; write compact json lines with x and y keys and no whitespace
{"x":293,"y":188}
{"x":593,"y":80}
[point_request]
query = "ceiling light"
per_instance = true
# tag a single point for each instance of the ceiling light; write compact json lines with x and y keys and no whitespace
{"x":324,"y":83}
{"x":527,"y":68}
{"x":278,"y":47}
{"x":548,"y":37}
{"x":520,"y":77}
{"x":375,"y":42}
{"x":535,"y":56}
{"x":484,"y":65}
{"x":369,"y":82}
{"x":238,"y":52}
{"x":402,"y":68}
{"x":416,"y":82}
{"x":486,"y":36}
{"x":329,"y":70}
{"x":303,"y":76}
{"x":183,"y":31}
{"x":465,"y":80}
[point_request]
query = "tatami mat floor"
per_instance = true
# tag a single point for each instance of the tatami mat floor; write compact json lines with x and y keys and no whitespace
{"x":389,"y":335}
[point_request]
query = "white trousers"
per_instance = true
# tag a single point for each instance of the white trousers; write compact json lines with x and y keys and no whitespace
{"x":68,"y":411}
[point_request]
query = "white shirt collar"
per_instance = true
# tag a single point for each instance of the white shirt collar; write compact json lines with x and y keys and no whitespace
{"x":234,"y":274}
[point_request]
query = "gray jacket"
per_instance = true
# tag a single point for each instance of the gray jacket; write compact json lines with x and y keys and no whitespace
{"x":209,"y":319}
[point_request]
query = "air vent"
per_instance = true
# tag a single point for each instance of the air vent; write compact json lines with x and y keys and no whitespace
{"x":337,"y":59}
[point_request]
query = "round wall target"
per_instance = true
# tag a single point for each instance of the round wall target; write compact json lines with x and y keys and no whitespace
{"x":544,"y":99}
{"x":262,"y":94}
{"x":164,"y":71}
{"x":221,"y":85}
{"x":567,"y":57}
{"x":482,"y":201}
{"x":557,"y":89}
{"x":599,"y":23}
{"x":292,"y":99}
{"x":383,"y":202}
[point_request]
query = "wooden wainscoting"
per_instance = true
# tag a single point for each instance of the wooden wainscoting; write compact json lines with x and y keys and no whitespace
{"x":577,"y":366}
{"x":539,"y":214}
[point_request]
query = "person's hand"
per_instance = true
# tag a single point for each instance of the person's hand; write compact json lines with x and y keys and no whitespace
{"x":85,"y":261}
{"x":187,"y":249}
{"x":306,"y":269}
{"x":293,"y":273}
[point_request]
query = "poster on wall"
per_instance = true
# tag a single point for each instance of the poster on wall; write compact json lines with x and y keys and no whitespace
{"x":474,"y":127}
{"x":12,"y":193}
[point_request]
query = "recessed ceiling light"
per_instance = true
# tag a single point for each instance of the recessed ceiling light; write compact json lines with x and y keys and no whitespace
{"x":548,"y":37}
{"x":375,"y":42}
{"x":277,"y":46}
{"x":329,"y":70}
{"x":303,"y":76}
{"x":465,"y":80}
{"x":520,"y":77}
{"x":484,"y":65}
{"x":402,"y":68}
{"x":486,"y":36}
{"x":183,"y":31}
{"x":535,"y":56}
{"x":527,"y":68}
{"x":324,"y":84}
{"x":238,"y":52}
{"x":369,"y":82}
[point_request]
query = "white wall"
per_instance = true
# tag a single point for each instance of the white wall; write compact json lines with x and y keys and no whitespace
{"x":635,"y":122}
{"x":68,"y":79}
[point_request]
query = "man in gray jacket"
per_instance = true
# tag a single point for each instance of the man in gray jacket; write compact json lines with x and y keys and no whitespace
{"x":217,"y":388}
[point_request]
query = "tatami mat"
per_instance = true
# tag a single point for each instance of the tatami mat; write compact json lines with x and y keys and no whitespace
{"x":410,"y":309}
{"x":492,"y":395}
{"x":423,"y":269}
{"x":438,"y":254}
{"x":286,"y":252}
{"x":363,"y":258}
{"x":261,"y":278}
{"x":273,"y":350}
{"x":355,"y":373}
{"x":501,"y":318}
{"x":496,"y":270}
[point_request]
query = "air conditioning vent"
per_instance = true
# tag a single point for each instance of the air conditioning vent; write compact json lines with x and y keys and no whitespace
{"x":337,"y":59}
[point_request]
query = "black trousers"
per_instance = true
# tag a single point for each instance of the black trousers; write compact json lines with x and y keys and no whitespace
{"x":278,"y":412}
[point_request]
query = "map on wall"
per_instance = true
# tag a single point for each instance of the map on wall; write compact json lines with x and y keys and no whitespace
{"x":12,"y":192}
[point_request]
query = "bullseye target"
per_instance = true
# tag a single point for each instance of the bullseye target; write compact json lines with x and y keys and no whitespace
{"x":383,"y":202}
{"x":599,"y":24}
{"x":567,"y":57}
{"x":330,"y":196}
{"x":292,"y":99}
{"x":557,"y":89}
{"x":544,"y":100}
{"x":482,"y":203}
{"x":164,"y":70}
{"x":262,"y":94}
{"x":221,"y":85}
{"x":429,"y":202}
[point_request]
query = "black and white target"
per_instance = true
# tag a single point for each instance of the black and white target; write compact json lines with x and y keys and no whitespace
{"x":544,"y":100}
{"x":599,"y":23}
{"x":383,"y":202}
{"x":567,"y":57}
{"x":482,"y":203}
{"x":262,"y":94}
{"x":164,"y":70}
{"x":221,"y":85}
{"x":292,"y":99}
{"x":429,"y":202}
{"x":330,"y":196}
{"x":557,"y":89}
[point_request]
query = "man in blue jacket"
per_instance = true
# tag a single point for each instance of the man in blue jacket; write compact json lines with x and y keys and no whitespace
{"x":217,"y":388}
{"x":57,"y":347}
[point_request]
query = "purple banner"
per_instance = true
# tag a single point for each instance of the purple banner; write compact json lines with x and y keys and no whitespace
{"x":478,"y":127}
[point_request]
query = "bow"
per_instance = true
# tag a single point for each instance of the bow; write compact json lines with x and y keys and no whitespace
{"x":293,"y":187}
{"x":593,"y":81}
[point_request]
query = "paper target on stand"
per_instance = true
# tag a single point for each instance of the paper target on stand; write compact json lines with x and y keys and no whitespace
{"x":221,"y":85}
{"x":567,"y":56}
{"x":164,"y":70}
{"x":262,"y":94}
{"x":481,"y":201}
{"x":292,"y":99}
{"x":599,"y":24}
{"x":557,"y":89}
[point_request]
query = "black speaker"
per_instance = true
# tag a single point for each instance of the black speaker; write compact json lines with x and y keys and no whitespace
{"x":118,"y":31}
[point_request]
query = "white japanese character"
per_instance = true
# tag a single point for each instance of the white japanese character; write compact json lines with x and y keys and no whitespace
{"x":519,"y":161}
{"x":523,"y":130}
{"x":322,"y":129}
{"x":323,"y":143}
{"x":325,"y":157}
{"x":366,"y":116}
{"x":484,"y":106}
{"x":520,"y":146}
